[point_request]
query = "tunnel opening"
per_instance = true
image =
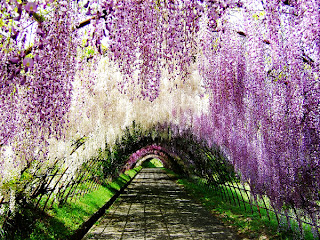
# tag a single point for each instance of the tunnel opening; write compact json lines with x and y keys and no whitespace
{"x":152,"y":163}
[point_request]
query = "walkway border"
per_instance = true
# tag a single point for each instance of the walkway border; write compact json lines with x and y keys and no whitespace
{"x":84,"y":228}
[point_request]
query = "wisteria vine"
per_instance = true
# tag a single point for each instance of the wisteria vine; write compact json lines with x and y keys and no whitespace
{"x":261,"y":75}
{"x":35,"y":76}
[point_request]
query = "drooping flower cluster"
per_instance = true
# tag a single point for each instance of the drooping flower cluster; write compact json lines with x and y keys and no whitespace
{"x":37,"y":67}
{"x":261,"y":75}
{"x":265,"y":112}
{"x":146,"y":36}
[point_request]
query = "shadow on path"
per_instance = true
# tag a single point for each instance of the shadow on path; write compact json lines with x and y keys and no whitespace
{"x":155,"y":207}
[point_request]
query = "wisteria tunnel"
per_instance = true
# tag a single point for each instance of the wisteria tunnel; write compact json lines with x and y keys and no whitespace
{"x":110,"y":102}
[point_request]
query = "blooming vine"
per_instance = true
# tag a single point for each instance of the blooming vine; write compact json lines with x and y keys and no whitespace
{"x":261,"y":76}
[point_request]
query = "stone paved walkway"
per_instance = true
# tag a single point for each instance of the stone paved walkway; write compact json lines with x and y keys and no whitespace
{"x":155,"y":207}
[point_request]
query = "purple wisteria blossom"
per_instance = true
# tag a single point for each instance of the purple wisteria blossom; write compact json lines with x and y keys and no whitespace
{"x":14,"y":60}
{"x":28,"y":63}
{"x":262,"y":81}
{"x":31,"y":7}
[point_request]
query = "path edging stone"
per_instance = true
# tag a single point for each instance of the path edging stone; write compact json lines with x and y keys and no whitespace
{"x":84,"y":228}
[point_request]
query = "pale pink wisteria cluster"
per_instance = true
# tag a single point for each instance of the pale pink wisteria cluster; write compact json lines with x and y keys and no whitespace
{"x":143,"y":152}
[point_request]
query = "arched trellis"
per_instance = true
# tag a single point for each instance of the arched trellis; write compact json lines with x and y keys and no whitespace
{"x":169,"y":159}
{"x":184,"y":153}
{"x":305,"y":115}
{"x":149,"y":157}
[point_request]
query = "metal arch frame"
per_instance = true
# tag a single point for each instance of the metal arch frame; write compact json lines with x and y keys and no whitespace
{"x":169,"y":160}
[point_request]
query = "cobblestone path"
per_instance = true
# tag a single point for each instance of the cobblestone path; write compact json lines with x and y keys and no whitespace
{"x":155,"y":207}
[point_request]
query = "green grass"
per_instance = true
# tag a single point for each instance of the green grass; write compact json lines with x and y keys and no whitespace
{"x":153,"y":163}
{"x":239,"y":215}
{"x":61,"y":222}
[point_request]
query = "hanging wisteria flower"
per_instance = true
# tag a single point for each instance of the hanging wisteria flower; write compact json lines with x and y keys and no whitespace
{"x":40,"y":31}
{"x":261,"y":78}
{"x":31,"y":7}
{"x":14,"y":33}
{"x":14,"y":60}
{"x":19,"y":8}
{"x":27,"y":63}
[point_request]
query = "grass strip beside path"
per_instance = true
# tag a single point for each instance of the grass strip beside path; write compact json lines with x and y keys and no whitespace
{"x":63,"y":221}
{"x":248,"y":225}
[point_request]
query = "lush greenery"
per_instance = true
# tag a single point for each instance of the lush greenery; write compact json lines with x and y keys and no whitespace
{"x":153,"y":163}
{"x":248,"y":221}
{"x":242,"y":75}
{"x":60,"y":222}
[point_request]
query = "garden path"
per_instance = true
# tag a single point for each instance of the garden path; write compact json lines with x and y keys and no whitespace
{"x":155,"y":207}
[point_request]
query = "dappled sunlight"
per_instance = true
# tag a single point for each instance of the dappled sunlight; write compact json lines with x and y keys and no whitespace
{"x":155,"y":207}
{"x":222,"y":92}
